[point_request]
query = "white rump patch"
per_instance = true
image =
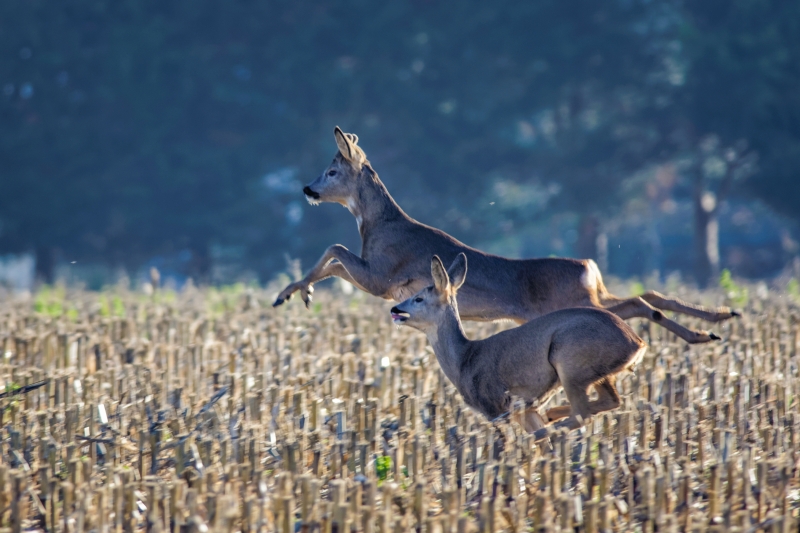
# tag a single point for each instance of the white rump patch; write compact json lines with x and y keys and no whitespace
{"x":592,"y":274}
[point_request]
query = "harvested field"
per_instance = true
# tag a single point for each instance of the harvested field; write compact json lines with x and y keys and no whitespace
{"x":207,"y":410}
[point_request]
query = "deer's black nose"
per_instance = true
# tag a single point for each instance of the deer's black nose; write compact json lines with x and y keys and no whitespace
{"x":399,"y":316}
{"x":308,"y":192}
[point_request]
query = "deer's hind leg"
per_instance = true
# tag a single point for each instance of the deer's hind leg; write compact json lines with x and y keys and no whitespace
{"x":579,"y":404}
{"x":532,"y":420}
{"x":575,"y":380}
{"x":607,"y":399}
{"x":557,"y":413}
{"x":638,"y":308}
{"x":607,"y":395}
{"x":679,"y":306}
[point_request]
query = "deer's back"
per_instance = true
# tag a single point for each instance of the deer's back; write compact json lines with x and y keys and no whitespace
{"x":529,"y":358}
{"x":524,"y":289}
{"x":496,"y":287}
{"x":584,"y":338}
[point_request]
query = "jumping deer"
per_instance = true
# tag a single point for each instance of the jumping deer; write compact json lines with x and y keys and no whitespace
{"x":573,"y":348}
{"x":393,"y":262}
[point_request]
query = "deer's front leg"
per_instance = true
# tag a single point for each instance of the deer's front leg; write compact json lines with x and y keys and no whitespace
{"x":337,"y":270}
{"x":355,"y":270}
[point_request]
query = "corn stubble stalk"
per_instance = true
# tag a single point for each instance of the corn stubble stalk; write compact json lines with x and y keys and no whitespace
{"x":208,"y":411}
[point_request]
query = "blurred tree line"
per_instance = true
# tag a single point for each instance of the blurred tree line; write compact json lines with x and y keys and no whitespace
{"x":138,"y":128}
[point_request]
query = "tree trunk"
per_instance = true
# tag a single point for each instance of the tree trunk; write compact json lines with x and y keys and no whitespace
{"x":602,"y":251}
{"x":652,"y":263}
{"x":200,"y":264}
{"x":45,"y":264}
{"x":706,"y":238}
{"x":588,"y":231}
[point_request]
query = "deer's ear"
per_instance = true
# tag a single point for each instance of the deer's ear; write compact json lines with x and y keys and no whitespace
{"x":440,"y":280}
{"x":458,"y":271}
{"x":343,"y":143}
{"x":346,"y":142}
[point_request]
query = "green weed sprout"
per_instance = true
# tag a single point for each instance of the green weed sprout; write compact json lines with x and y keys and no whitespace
{"x":637,"y":288}
{"x":383,"y":465}
{"x":733,"y":291}
{"x":793,"y":289}
{"x":50,"y":301}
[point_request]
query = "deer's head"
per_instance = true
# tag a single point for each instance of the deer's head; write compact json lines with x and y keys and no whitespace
{"x":428,"y":306}
{"x":339,"y":182}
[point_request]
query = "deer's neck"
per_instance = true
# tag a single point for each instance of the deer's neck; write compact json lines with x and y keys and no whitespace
{"x":372,"y":204}
{"x":449,"y":343}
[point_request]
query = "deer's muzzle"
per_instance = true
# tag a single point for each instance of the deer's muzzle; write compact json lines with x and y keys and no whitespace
{"x":398,"y":316}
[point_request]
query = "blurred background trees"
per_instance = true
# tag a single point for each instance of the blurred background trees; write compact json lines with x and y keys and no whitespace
{"x":179,"y":134}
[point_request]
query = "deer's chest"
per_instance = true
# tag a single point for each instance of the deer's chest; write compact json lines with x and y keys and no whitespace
{"x":485,"y":395}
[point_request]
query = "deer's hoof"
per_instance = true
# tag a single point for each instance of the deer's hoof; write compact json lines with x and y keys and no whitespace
{"x":305,"y":294}
{"x":735,"y":314}
{"x":278,"y":302}
{"x":702,"y":337}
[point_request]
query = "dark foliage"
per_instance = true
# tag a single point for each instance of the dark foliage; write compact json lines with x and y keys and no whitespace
{"x":136,"y":128}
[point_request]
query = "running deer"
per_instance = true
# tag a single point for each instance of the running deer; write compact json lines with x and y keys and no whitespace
{"x":574,"y":348}
{"x":393,"y":263}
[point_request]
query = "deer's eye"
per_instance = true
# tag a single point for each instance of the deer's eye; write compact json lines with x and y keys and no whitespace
{"x":418,"y":300}
{"x":331,"y":173}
